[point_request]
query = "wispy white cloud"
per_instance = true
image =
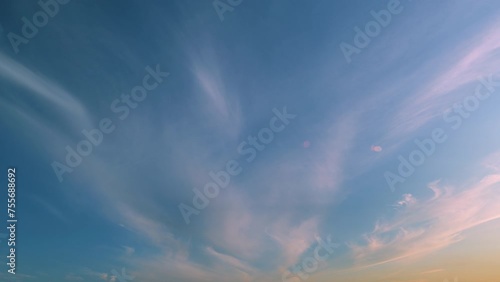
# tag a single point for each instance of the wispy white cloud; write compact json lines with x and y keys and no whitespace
{"x":406,"y":201}
{"x":472,"y":58}
{"x":42,"y":87}
{"x":247,"y":270}
{"x":222,"y":107}
{"x":328,"y":172}
{"x":294,"y":239}
{"x":430,"y":225}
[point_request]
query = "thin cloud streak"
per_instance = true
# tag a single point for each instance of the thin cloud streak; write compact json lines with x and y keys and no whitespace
{"x":427,"y":226}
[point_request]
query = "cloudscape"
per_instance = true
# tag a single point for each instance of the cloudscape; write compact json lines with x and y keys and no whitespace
{"x":238,"y":140}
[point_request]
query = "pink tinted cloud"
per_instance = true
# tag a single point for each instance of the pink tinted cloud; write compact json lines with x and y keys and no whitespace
{"x":473,"y":59}
{"x":426,"y":226}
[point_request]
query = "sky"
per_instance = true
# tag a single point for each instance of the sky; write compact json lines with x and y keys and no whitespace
{"x":237,"y":140}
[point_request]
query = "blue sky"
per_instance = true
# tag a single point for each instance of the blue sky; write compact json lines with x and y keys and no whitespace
{"x":322,"y":176}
